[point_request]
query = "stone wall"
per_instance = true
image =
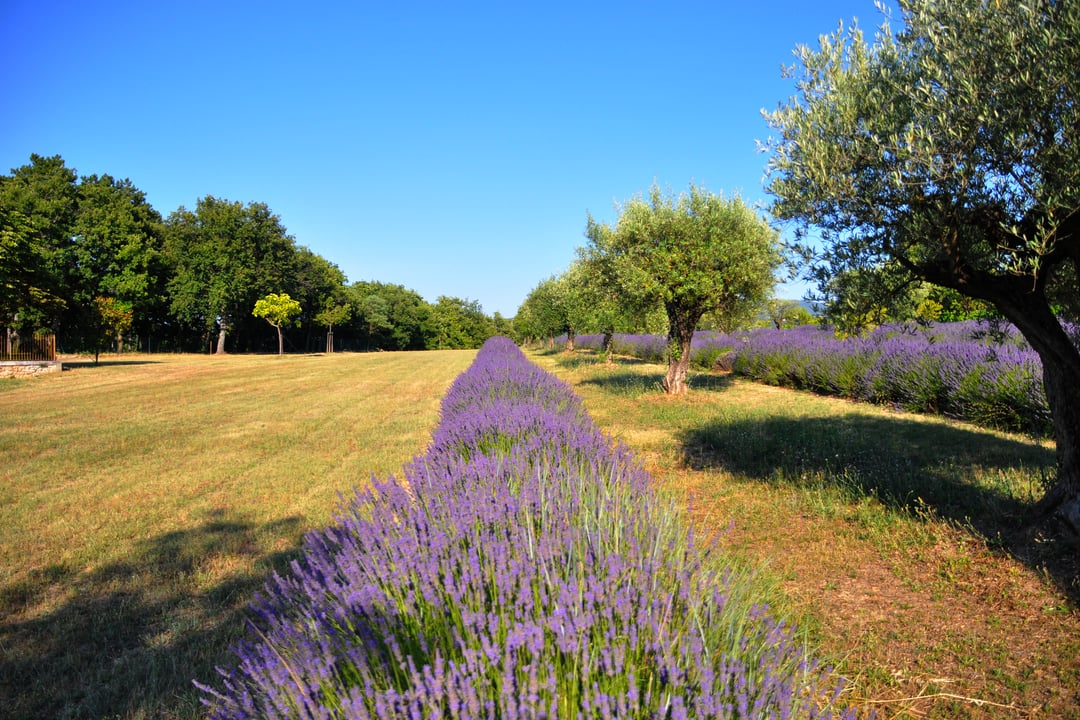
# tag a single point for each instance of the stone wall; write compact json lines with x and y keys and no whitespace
{"x":32,"y":368}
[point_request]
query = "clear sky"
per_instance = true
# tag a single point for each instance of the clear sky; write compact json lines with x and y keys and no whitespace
{"x":453,"y":148}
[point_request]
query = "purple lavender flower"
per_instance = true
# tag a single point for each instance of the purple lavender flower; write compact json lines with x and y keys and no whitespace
{"x":521,"y":567}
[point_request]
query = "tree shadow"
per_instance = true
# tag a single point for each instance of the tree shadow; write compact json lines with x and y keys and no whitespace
{"x":632,"y":383}
{"x":971,"y":478}
{"x":128,"y":638}
{"x":89,"y":364}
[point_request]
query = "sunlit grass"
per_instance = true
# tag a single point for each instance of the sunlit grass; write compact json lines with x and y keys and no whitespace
{"x":143,"y":502}
{"x":889,"y":536}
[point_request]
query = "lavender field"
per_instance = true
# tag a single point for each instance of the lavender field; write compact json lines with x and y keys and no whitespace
{"x":522,"y":567}
{"x":971,"y":371}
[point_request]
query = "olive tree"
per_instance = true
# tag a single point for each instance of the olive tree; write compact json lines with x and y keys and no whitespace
{"x":616,"y":303}
{"x":694,"y":254}
{"x":947,"y":151}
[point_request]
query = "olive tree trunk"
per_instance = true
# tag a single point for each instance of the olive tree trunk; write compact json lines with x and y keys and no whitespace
{"x":1033,"y":317}
{"x":681,"y":326}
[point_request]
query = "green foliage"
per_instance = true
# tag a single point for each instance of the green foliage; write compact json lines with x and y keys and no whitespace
{"x":503,"y":326}
{"x":25,"y":295}
{"x":226,"y":255}
{"x":387,"y":317}
{"x":787,"y":314}
{"x":118,"y":244}
{"x":315,"y":282}
{"x":75,"y":240}
{"x":332,"y":315}
{"x":278,"y":310}
{"x":947,"y":152}
{"x":459,"y":324}
{"x":616,"y":303}
{"x":541,"y":316}
{"x":693,"y":254}
{"x":38,"y":205}
{"x":114,"y":318}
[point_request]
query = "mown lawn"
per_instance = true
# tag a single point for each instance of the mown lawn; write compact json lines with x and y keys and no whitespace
{"x":143,"y":502}
{"x":898,"y":540}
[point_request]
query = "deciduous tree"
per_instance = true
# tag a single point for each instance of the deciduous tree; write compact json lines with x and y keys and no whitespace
{"x":226,"y":256}
{"x":405,"y":322}
{"x":278,"y":309}
{"x":949,"y":151}
{"x":113,"y":319}
{"x":460,"y":324}
{"x":38,"y":206}
{"x":117,"y":250}
{"x":331,"y":315}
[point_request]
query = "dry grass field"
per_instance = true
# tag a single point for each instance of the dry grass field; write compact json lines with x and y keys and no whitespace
{"x":144,"y":500}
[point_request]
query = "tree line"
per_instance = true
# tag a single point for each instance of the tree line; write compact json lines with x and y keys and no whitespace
{"x":90,"y":260}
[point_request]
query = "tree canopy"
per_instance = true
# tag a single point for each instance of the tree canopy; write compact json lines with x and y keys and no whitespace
{"x":66,"y":241}
{"x":459,"y":324}
{"x":279,"y":310}
{"x":947,"y":152}
{"x":226,"y":255}
{"x":695,"y":253}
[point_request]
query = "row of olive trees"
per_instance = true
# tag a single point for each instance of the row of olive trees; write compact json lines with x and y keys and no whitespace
{"x":945,"y":153}
{"x":668,"y":259}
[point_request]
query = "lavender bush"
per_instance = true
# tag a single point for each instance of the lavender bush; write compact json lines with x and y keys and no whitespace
{"x":522,"y":567}
{"x":973,"y":371}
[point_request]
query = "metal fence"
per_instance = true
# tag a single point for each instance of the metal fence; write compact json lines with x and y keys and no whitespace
{"x":40,"y":348}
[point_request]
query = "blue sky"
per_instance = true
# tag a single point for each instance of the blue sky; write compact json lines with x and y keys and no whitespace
{"x":453,"y":148}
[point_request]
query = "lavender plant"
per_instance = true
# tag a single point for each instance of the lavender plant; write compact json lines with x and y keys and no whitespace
{"x":522,"y":567}
{"x":973,"y":371}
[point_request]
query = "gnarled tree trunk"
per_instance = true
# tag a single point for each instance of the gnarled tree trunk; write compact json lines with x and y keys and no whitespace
{"x":607,"y":346}
{"x":681,"y":325}
{"x":1031,"y":314}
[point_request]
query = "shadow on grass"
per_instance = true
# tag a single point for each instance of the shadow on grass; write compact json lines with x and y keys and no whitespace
{"x":87,"y":364}
{"x":127,"y":639}
{"x":972,"y":478}
{"x":632,"y":383}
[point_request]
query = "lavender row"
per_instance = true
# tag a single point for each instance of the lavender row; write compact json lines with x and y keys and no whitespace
{"x":522,"y":567}
{"x":969,"y":371}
